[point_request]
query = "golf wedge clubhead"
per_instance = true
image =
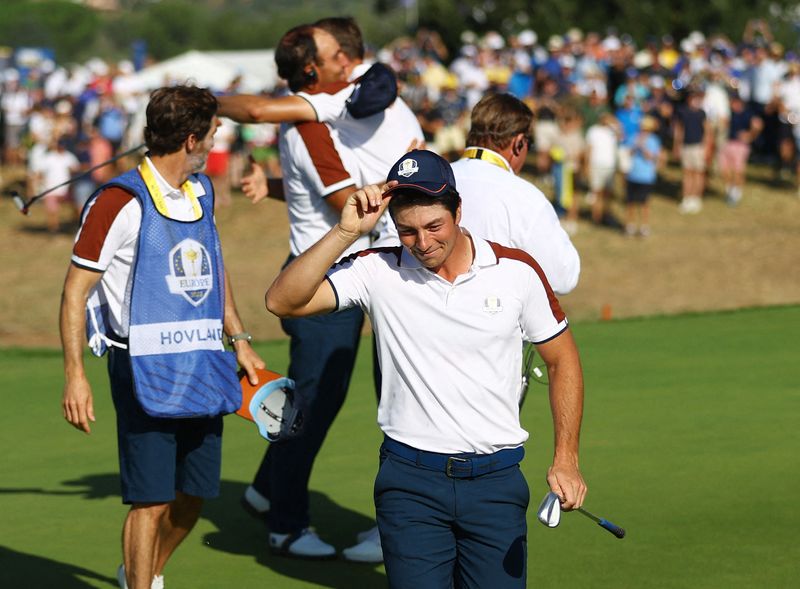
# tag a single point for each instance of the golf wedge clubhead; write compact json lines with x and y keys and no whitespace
{"x":549,"y":514}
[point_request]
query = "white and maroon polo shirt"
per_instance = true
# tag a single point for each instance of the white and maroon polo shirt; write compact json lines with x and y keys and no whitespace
{"x":314,"y":166}
{"x":451,"y":354}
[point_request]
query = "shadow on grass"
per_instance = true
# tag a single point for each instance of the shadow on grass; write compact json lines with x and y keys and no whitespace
{"x":239,"y":533}
{"x":28,"y":570}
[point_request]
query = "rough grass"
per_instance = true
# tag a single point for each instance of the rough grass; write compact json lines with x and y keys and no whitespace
{"x":721,"y":259}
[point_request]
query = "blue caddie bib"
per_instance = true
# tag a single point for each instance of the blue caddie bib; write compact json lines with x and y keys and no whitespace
{"x":177,"y":304}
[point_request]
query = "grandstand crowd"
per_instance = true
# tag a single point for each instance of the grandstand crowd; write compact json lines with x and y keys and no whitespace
{"x":713,"y":104}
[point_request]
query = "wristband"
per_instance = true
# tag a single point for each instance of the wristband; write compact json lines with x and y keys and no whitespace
{"x":238,"y":337}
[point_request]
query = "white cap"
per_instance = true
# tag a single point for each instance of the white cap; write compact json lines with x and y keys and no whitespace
{"x":125,"y":66}
{"x":575,"y":35}
{"x":611,"y":44}
{"x":642,"y":60}
{"x":97,"y":66}
{"x":555,"y":43}
{"x":494,"y":40}
{"x":469,"y":37}
{"x":567,"y":60}
{"x":527,"y":38}
{"x":697,"y":37}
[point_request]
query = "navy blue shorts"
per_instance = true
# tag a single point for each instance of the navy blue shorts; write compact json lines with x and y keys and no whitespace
{"x":159,"y":456}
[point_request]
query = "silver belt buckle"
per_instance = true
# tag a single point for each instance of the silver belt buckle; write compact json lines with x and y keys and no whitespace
{"x":450,"y":460}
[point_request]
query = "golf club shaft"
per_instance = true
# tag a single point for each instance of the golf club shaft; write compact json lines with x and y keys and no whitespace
{"x":604,"y":523}
{"x":24,"y":206}
{"x":529,"y":354}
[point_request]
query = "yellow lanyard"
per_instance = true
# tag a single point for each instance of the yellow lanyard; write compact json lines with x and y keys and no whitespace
{"x":158,"y":198}
{"x":477,"y":153}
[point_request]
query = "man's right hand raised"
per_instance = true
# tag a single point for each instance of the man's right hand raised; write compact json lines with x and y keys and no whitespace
{"x":362,"y":209}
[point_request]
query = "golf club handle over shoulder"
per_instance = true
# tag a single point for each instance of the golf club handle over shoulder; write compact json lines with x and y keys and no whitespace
{"x":616,"y":530}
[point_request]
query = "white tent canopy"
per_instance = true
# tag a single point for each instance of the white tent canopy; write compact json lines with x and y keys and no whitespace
{"x":214,"y":70}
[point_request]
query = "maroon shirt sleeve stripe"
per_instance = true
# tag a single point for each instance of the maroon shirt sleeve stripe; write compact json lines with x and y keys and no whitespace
{"x":98,"y":222}
{"x":514,"y":254}
{"x":324,"y":156}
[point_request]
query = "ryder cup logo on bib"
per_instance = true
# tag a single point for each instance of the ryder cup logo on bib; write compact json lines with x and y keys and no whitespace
{"x":407,"y":168}
{"x":190,"y":271}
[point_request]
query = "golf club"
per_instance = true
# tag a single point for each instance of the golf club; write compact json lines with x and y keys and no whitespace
{"x":24,"y":206}
{"x":529,"y":371}
{"x":604,"y":523}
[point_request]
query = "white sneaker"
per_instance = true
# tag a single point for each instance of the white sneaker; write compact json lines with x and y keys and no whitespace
{"x":255,"y":503}
{"x":303,"y":544}
{"x":158,"y":580}
{"x":366,"y":534}
{"x":368,"y":548}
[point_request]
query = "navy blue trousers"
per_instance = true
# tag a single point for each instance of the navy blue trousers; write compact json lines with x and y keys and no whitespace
{"x":322,"y":354}
{"x":439,"y":532}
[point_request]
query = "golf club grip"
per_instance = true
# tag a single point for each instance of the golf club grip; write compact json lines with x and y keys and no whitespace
{"x":616,"y":530}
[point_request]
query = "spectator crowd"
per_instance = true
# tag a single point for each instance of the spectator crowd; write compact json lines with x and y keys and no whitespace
{"x":605,"y":106}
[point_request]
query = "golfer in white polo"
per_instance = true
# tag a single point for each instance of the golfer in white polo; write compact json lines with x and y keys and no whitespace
{"x":449,"y":311}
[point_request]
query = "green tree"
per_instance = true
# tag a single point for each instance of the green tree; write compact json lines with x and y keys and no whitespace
{"x":69,"y":29}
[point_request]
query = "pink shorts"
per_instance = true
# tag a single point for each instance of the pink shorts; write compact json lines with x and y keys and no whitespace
{"x":53,"y":200}
{"x":733,"y":156}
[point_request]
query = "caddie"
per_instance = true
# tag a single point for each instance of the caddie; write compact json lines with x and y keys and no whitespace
{"x":450,"y":311}
{"x":148,"y":286}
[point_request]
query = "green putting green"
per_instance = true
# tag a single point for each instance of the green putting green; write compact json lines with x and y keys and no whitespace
{"x":689,"y":443}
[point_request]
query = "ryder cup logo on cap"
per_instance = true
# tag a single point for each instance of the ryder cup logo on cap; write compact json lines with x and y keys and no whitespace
{"x":190,"y":271}
{"x":424,"y":171}
{"x":407,"y":168}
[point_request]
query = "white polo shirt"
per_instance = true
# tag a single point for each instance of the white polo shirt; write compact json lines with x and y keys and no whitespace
{"x":376,"y":142}
{"x":314,"y":166}
{"x":500,"y":206}
{"x":451,"y":354}
{"x":107,"y":239}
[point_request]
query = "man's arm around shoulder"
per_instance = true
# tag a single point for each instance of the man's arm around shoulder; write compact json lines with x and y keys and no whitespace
{"x":251,"y":108}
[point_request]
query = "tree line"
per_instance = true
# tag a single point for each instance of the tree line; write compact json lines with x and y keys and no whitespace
{"x":169,"y":27}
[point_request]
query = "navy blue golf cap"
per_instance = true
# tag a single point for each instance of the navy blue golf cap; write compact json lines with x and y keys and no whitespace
{"x":375,"y":91}
{"x":422,"y":170}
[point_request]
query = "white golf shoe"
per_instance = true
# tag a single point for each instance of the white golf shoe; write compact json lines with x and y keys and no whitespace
{"x":157,"y":583}
{"x":303,"y":544}
{"x":368,"y":549}
{"x":255,"y":503}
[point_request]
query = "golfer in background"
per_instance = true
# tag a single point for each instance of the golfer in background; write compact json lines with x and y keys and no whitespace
{"x":147,"y":280}
{"x":449,"y":311}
